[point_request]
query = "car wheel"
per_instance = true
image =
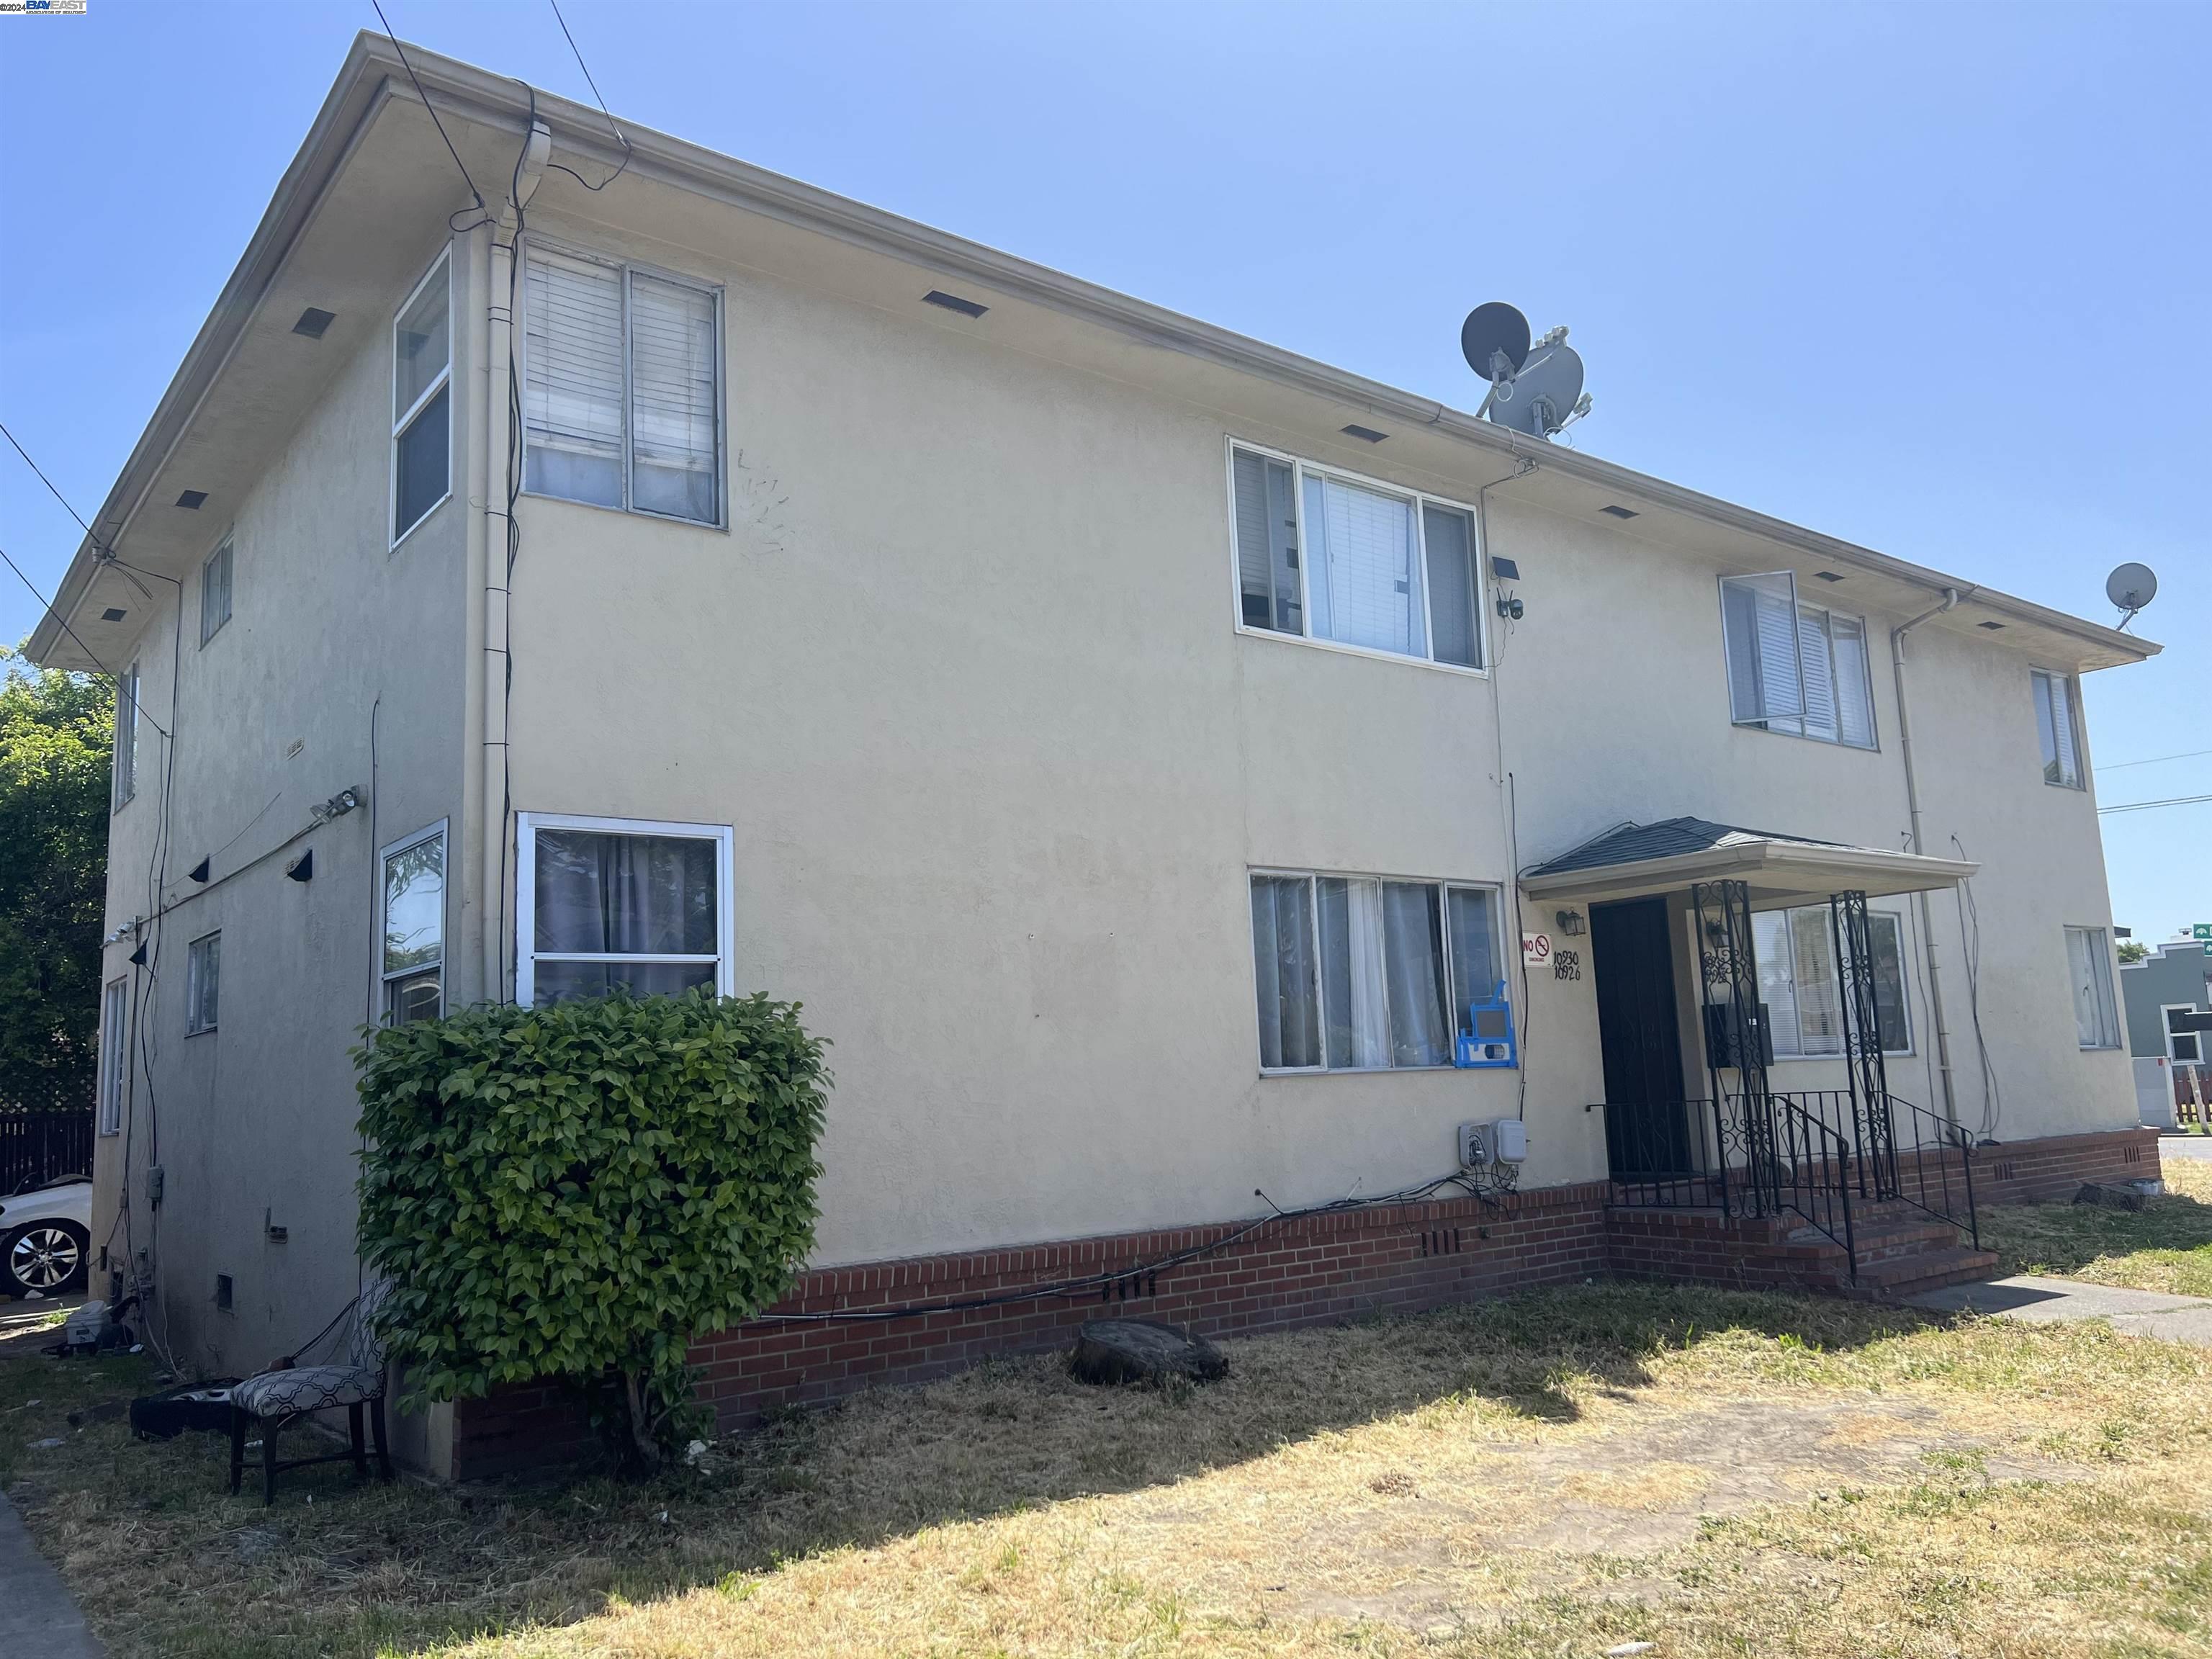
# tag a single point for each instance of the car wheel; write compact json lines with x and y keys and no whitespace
{"x":46,"y":1256}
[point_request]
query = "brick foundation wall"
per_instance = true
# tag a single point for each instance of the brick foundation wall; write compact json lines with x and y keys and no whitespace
{"x":1313,"y":1270}
{"x":2024,"y":1171}
{"x":1399,"y":1258}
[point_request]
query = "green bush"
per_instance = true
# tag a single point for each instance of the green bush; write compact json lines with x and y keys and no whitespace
{"x":579,"y":1191}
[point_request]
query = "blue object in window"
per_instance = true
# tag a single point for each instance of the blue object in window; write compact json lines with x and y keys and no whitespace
{"x":1489,"y":1042}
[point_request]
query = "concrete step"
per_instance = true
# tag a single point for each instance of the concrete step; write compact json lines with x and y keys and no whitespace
{"x":1903,"y":1276}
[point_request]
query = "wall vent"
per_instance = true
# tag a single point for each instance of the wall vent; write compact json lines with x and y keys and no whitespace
{"x":1619,"y":511}
{"x":192,"y":500}
{"x":314,"y":321}
{"x":1365,"y":433}
{"x":937,"y":296}
{"x":223,"y":1291}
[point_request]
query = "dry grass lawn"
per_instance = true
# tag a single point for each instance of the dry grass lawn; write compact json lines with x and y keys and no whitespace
{"x":1721,"y":1474}
{"x":2165,"y":1247}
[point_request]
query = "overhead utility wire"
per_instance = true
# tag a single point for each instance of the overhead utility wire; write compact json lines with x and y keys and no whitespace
{"x":2146,"y":805}
{"x":2122,"y":766}
{"x":433,"y":108}
{"x":604,"y":110}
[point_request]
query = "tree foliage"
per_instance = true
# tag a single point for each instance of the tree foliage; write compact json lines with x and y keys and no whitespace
{"x":56,"y":733}
{"x":2133,"y":949}
{"x":579,"y":1191}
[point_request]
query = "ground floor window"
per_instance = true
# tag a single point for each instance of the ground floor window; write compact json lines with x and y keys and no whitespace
{"x":414,"y":962}
{"x":2089,"y":959}
{"x":1362,"y":973}
{"x":603,"y":903}
{"x":114,"y":1022}
{"x":1798,"y":983}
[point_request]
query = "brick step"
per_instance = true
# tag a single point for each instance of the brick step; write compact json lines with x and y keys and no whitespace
{"x":1903,"y":1276}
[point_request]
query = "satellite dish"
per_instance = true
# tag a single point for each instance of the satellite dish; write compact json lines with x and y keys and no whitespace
{"x":1491,"y":333}
{"x":2131,"y":587}
{"x":1542,"y":396}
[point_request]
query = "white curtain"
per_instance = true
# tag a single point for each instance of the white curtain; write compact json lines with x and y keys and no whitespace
{"x":1412,"y":933}
{"x":1358,"y":994}
{"x":1283,"y":968}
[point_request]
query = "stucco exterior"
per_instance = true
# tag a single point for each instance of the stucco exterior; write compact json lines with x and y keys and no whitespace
{"x":963,"y":675}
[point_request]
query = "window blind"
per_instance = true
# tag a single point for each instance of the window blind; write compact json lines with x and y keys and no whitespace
{"x":671,"y":364}
{"x":1267,"y":543}
{"x":573,"y":385}
{"x":2054,"y":718}
{"x":1363,"y":581}
{"x":1759,"y":621}
{"x":1819,"y":669}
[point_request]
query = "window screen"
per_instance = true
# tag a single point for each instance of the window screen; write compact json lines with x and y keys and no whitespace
{"x":2089,"y":959}
{"x":415,"y":929}
{"x":1794,"y":667}
{"x":125,"y":764}
{"x":615,"y":909}
{"x":214,"y":592}
{"x":1267,"y":542}
{"x":1454,"y":635}
{"x":1283,"y":958}
{"x":621,"y":398}
{"x":202,"y":983}
{"x":1364,"y":583}
{"x":2056,"y":729}
{"x":421,"y":399}
{"x":114,"y":1022}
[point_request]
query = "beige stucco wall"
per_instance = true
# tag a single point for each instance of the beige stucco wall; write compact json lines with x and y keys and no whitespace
{"x":963,"y":676}
{"x":329,"y":632}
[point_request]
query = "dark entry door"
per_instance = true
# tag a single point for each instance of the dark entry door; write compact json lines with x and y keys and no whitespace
{"x":1646,"y":1129}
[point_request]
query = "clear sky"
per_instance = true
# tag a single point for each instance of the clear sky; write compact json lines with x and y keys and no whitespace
{"x":1934,"y":278}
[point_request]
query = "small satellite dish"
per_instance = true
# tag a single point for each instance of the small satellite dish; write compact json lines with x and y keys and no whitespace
{"x":1541,"y":396}
{"x":2131,"y":587}
{"x":1495,"y":340}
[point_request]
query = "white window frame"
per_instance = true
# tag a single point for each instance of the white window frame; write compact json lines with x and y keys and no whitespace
{"x":2172,"y":1036}
{"x":385,"y":977}
{"x":1776,"y":724}
{"x":527,"y":824}
{"x":192,"y":959}
{"x":225,"y":549}
{"x":1300,"y":468}
{"x":627,"y":268}
{"x":442,"y":265}
{"x":122,"y":767}
{"x":2036,"y":678}
{"x":1446,"y":885}
{"x":2108,"y":1012}
{"x":114,"y":1051}
{"x":1904,"y":981}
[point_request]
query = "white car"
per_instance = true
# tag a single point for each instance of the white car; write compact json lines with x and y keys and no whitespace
{"x":46,"y":1235}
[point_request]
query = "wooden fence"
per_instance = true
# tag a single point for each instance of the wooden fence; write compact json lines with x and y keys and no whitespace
{"x":36,"y":1148}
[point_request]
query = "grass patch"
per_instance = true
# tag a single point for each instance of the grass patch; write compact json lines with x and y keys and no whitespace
{"x":2164,"y":1246}
{"x":1724,"y":1473}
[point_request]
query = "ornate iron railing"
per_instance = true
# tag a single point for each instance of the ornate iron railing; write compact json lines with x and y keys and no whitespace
{"x":1742,"y":1155}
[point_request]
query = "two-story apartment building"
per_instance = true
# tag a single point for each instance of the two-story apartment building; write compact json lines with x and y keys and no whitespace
{"x":1145,"y":753}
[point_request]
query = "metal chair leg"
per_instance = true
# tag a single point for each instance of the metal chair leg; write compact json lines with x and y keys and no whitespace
{"x":360,"y":1456}
{"x":238,"y":1422}
{"x":269,"y":1427}
{"x":376,"y":1426}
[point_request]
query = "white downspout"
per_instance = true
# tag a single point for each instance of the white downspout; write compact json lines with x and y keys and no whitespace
{"x":1912,"y":804}
{"x":530,"y":168}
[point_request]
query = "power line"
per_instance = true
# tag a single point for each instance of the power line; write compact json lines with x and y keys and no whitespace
{"x":51,"y":490}
{"x":138,"y":704}
{"x":428,"y":105}
{"x":2122,"y":766}
{"x":2145,"y":806}
{"x":604,"y":110}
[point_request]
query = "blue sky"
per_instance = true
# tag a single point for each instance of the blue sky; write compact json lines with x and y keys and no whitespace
{"x":1933,"y":278}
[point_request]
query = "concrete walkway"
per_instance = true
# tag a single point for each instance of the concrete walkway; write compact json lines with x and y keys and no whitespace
{"x":2136,"y":1313}
{"x":2199,"y":1147}
{"x":36,"y":1614}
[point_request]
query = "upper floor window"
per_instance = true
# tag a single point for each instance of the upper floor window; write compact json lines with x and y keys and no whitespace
{"x":421,"y":399}
{"x":622,"y":387}
{"x":114,"y":1028}
{"x":1328,"y":556}
{"x":125,"y":765}
{"x":1798,"y":983}
{"x":1356,"y":973}
{"x":215,"y":591}
{"x":414,"y":962}
{"x":202,"y":983}
{"x":2058,"y":724}
{"x":1794,"y":667}
{"x":2089,"y":959}
{"x":603,"y":903}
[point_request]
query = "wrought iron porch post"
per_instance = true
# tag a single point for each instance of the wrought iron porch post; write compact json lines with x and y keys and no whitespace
{"x":1728,"y":970}
{"x":1867,"y":1070}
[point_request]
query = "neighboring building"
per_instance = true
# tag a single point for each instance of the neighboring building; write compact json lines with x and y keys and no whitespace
{"x":1108,"y":727}
{"x":2167,"y":998}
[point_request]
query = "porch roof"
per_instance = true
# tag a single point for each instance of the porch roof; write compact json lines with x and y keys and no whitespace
{"x":1638,"y":859}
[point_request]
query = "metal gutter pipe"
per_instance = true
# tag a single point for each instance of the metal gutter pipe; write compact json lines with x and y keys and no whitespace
{"x":1951,"y":597}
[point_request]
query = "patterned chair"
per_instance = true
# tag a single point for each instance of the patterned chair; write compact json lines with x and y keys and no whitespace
{"x":276,"y":1398}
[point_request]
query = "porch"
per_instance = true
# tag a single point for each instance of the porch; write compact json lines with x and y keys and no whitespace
{"x":1714,"y":1167}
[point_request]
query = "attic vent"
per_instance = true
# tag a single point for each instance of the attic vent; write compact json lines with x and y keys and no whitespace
{"x":1366,"y":432}
{"x":937,"y":296}
{"x":314,"y":321}
{"x":1827,"y":575}
{"x":1992,"y":627}
{"x":192,"y":500}
{"x":111,"y":614}
{"x":1619,"y":511}
{"x":224,"y":1293}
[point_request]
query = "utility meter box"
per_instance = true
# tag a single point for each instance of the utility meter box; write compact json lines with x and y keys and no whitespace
{"x":1484,"y":1144}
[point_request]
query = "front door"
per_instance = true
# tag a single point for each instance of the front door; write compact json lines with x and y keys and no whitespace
{"x":1646,"y":1127}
